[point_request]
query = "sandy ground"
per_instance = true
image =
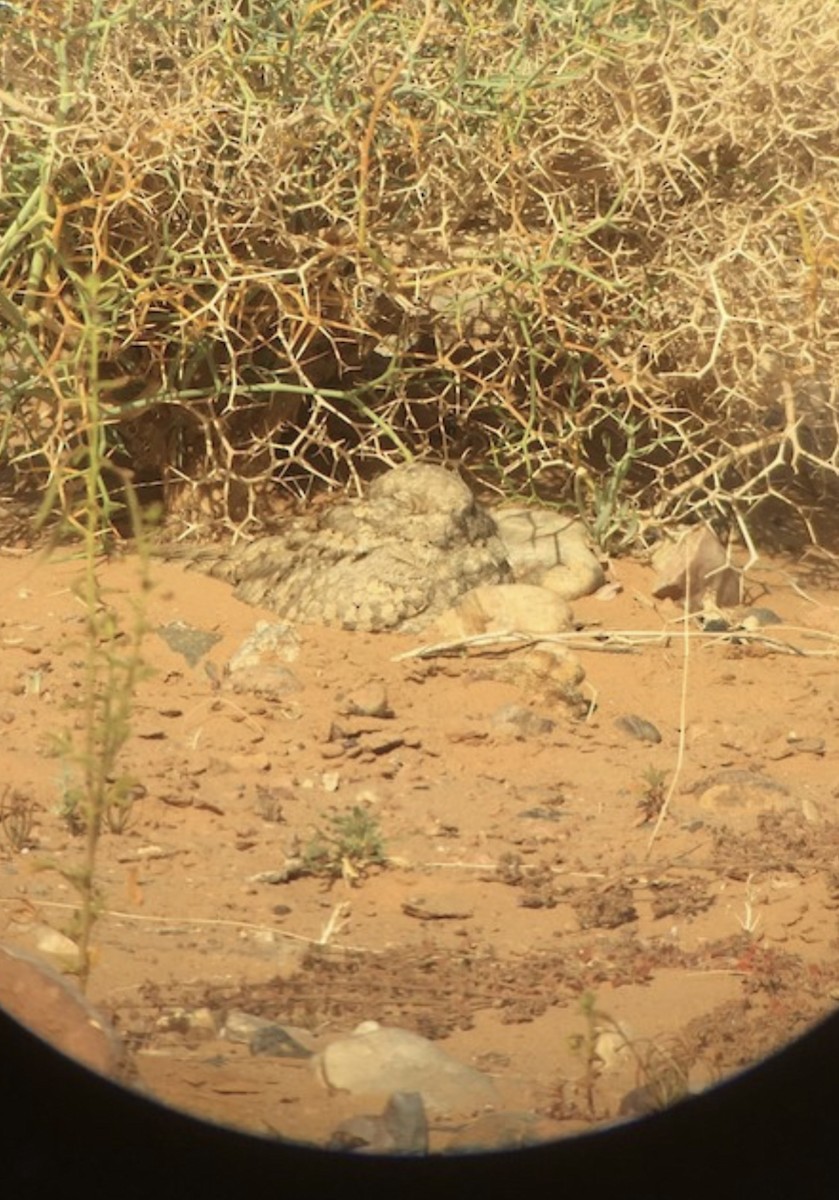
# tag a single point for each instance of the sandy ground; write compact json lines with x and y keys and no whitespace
{"x":521,"y":917}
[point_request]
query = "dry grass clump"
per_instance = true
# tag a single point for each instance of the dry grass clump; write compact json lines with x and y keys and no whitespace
{"x":589,"y":249}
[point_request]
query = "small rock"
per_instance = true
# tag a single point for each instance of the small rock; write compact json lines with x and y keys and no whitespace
{"x":368,"y":701}
{"x":241,"y":1026}
{"x":149,"y":732}
{"x":638,"y":727}
{"x":609,"y":591}
{"x":204,"y":1021}
{"x":547,"y":673}
{"x":531,"y":537}
{"x":694,"y":566}
{"x":542,"y":814}
{"x":808,"y":745}
{"x":401,"y":1129}
{"x":811,"y":811}
{"x":614,"y":1047}
{"x":382,"y":743}
{"x":201,"y":1023}
{"x":273,"y":1041}
{"x":758,"y":618}
{"x":249,"y":762}
{"x":333,"y":750}
{"x":521,"y":722}
{"x":464,"y":734}
{"x":505,"y":608}
{"x":640,"y":1101}
{"x":714,"y":623}
{"x":604,"y":907}
{"x":546,"y":548}
{"x":55,"y":945}
{"x":379,"y":1059}
{"x":437,"y":908}
{"x":738,"y":798}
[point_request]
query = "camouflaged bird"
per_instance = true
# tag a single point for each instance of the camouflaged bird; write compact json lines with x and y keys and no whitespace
{"x":393,"y":560}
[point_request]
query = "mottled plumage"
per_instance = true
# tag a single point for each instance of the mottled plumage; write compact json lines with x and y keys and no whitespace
{"x":392,"y":560}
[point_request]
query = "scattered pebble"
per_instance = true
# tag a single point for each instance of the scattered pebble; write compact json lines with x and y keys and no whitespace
{"x":693,"y":566}
{"x":249,"y":762}
{"x":807,"y":745}
{"x":504,"y":608}
{"x":521,"y":721}
{"x":757,"y":618}
{"x":436,"y":908}
{"x":332,"y":750}
{"x":638,"y":727}
{"x":368,"y":701}
{"x":241,"y":1026}
{"x":201,"y":1023}
{"x":272,"y":1041}
{"x":56,"y":946}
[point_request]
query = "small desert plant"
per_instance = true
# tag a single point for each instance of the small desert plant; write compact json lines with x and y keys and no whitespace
{"x":653,"y":792}
{"x":95,"y":791}
{"x":17,"y":817}
{"x":124,"y":794}
{"x":584,"y":1045}
{"x":103,"y":794}
{"x":347,"y":848}
{"x":749,"y":922}
{"x":603,"y":500}
{"x":661,"y":1073}
{"x":588,"y":255}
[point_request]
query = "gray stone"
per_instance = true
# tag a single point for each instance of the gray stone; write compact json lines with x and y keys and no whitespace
{"x":370,"y":700}
{"x":263,"y":1036}
{"x":512,"y":608}
{"x":738,"y":798}
{"x":638,"y":727}
{"x":241,"y":1026}
{"x":759,"y":618}
{"x":401,"y":1129}
{"x":521,"y":722}
{"x":272,"y":1041}
{"x":549,"y":549}
{"x":693,"y":566}
{"x":377,"y":1059}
